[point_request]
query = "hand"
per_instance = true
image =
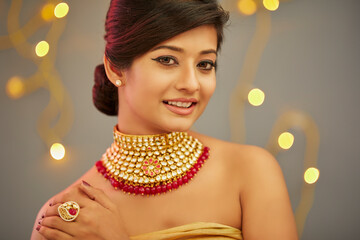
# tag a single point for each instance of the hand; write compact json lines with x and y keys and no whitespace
{"x":99,"y":217}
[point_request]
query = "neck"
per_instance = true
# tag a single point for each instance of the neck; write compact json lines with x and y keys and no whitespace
{"x":132,"y":128}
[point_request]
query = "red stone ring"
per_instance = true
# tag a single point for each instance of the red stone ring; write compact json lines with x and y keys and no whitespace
{"x":69,"y":211}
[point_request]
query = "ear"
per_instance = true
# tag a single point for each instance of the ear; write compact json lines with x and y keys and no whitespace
{"x":112,"y":73}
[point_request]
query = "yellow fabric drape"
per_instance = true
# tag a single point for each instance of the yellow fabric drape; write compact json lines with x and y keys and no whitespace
{"x":193,"y":231}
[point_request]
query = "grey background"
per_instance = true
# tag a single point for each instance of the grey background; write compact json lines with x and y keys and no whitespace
{"x":310,"y":63}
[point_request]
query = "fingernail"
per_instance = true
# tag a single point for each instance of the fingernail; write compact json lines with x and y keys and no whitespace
{"x":50,"y":204}
{"x":39,"y":222}
{"x":42,"y":216}
{"x":86,"y":183}
{"x":38,"y":228}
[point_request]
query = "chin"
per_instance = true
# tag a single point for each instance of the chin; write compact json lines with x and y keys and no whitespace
{"x":178,"y":126}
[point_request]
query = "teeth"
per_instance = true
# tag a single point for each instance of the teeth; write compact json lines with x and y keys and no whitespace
{"x":180,"y":104}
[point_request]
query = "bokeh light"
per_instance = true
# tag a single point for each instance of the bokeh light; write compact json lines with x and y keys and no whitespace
{"x":286,"y":140}
{"x":271,"y":5}
{"x":47,"y":12}
{"x":57,"y":151}
{"x":256,"y":97}
{"x":61,"y":10}
{"x":311,"y":175}
{"x":15,"y":87}
{"x":247,"y":7}
{"x":42,"y":48}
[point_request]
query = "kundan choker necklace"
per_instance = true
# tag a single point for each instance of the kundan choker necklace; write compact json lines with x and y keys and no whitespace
{"x":152,"y":164}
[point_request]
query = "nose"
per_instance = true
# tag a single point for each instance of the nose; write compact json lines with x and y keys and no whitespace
{"x":188,"y":80}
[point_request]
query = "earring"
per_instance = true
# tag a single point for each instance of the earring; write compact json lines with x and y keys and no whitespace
{"x":118,"y":83}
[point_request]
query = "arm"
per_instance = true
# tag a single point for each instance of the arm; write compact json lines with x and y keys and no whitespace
{"x":266,"y":207}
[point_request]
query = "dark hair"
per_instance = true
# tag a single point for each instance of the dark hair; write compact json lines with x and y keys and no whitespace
{"x":133,"y":27}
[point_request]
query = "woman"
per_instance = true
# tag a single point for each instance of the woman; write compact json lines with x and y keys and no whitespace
{"x":158,"y":76}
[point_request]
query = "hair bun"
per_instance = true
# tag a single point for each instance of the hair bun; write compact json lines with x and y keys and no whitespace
{"x":105,"y":95}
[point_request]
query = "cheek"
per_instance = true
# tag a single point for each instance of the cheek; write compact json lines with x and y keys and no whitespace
{"x":147,"y":89}
{"x":208,"y":88}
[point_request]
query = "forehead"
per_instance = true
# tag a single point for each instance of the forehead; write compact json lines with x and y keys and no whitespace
{"x":196,"y":39}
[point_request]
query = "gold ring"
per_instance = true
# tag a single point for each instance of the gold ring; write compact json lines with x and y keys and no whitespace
{"x":69,"y":211}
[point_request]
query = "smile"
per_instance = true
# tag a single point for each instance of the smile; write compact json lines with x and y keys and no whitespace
{"x":179,"y":104}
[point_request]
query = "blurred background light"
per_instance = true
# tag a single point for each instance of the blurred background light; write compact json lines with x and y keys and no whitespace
{"x":247,"y":7}
{"x":311,"y":175}
{"x":61,"y":10}
{"x":271,"y":5}
{"x":42,"y":48}
{"x":286,"y":140}
{"x":256,"y":97}
{"x":15,"y":87}
{"x":47,"y":12}
{"x":57,"y":151}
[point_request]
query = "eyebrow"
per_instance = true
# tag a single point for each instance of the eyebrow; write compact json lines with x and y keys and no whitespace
{"x":177,"y":49}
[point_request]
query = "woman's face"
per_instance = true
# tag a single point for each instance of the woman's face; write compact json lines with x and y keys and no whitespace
{"x":168,"y":88}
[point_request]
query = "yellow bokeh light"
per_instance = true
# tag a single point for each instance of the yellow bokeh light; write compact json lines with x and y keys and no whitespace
{"x":47,"y":12}
{"x":311,"y":175}
{"x":286,"y":140}
{"x":42,"y":48}
{"x":61,"y":10}
{"x":256,"y":97}
{"x":57,"y":151}
{"x":271,"y":5}
{"x":15,"y":87}
{"x":247,"y":7}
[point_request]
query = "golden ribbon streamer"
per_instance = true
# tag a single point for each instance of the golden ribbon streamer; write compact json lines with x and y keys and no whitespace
{"x":56,"y":119}
{"x":247,"y":76}
{"x":305,"y":123}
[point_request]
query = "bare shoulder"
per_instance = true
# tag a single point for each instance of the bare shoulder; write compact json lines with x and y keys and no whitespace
{"x":245,"y":160}
{"x":255,"y":163}
{"x":254,"y":169}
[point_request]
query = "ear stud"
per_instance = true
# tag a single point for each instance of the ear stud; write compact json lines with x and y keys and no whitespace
{"x":118,"y":83}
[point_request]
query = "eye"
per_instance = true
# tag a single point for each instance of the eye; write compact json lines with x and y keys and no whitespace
{"x":166,"y":60}
{"x":207,"y":65}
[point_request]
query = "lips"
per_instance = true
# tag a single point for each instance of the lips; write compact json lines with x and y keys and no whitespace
{"x":180,"y":106}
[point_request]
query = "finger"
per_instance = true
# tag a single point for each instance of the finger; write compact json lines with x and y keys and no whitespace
{"x":96,"y":194}
{"x":52,"y":234}
{"x":51,"y":211}
{"x":54,"y":209}
{"x":72,"y":194}
{"x":55,"y":222}
{"x":80,"y":198}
